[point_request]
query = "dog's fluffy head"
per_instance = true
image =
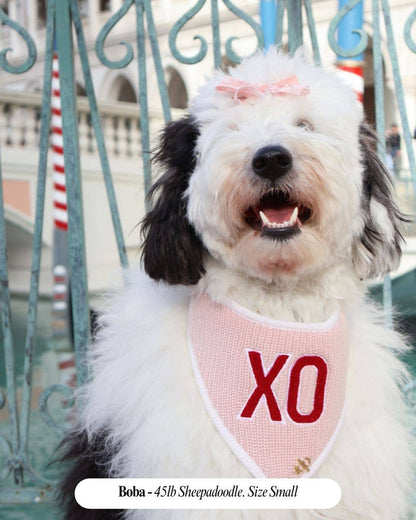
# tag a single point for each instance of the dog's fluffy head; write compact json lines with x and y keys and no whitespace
{"x":209,"y":198}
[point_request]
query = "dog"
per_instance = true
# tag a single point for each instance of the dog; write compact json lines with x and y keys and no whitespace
{"x":271,"y":211}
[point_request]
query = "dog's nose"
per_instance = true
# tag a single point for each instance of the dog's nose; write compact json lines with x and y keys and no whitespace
{"x":271,"y":162}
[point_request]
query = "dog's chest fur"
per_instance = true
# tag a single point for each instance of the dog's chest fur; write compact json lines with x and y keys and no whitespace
{"x":145,"y":395}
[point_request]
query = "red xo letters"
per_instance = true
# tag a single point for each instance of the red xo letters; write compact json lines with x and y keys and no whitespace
{"x":264,"y":382}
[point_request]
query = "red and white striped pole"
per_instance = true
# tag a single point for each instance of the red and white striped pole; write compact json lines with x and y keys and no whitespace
{"x":61,"y":323}
{"x":353,"y":75}
{"x":60,"y":212}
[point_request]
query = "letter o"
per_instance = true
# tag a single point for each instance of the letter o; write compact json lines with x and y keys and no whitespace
{"x":318,"y":404}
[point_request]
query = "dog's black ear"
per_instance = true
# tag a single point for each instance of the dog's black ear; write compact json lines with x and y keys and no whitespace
{"x":172,"y":251}
{"x":378,"y":250}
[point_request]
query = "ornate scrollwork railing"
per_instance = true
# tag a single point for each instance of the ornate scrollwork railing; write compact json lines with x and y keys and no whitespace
{"x":62,"y":17}
{"x":31,"y":48}
{"x":68,"y":402}
{"x":332,"y":39}
{"x":203,"y":50}
{"x":410,"y":42}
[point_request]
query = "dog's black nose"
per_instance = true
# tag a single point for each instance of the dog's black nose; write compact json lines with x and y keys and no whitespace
{"x":271,"y":162}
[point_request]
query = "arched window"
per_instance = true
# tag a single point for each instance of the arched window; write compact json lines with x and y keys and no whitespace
{"x":126,"y":92}
{"x":369,"y":90}
{"x":121,"y":89}
{"x":369,"y":93}
{"x":178,"y":96}
{"x":105,"y":5}
{"x":41,"y":11}
{"x":80,"y":90}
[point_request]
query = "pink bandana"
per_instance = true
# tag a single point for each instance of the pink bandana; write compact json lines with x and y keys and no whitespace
{"x":274,"y":390}
{"x":242,"y":90}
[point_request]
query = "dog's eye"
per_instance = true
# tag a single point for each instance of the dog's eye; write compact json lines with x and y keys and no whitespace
{"x":304,"y":123}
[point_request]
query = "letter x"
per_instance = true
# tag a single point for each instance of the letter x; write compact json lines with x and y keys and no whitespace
{"x":264,"y":383}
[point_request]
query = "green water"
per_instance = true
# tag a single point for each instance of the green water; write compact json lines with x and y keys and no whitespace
{"x":29,"y":512}
{"x":43,"y":440}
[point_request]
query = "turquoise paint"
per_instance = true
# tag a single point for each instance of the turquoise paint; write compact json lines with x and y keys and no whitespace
{"x":76,"y":235}
{"x":37,"y":233}
{"x":98,"y":132}
{"x":410,"y":42}
{"x":31,"y":48}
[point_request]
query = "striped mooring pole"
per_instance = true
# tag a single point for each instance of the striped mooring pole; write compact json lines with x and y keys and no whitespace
{"x":351,"y":69}
{"x":61,"y":309}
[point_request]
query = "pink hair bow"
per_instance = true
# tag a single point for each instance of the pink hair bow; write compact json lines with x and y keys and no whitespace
{"x":242,"y":90}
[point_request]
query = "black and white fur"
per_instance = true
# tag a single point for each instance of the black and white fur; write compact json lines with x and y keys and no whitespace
{"x":143,"y":414}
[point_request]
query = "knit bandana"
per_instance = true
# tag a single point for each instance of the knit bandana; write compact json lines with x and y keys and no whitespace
{"x":274,"y":390}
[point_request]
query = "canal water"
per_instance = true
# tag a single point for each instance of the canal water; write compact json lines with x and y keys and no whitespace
{"x":43,"y":440}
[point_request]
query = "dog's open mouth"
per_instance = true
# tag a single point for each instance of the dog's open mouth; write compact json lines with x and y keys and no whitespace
{"x":277,"y":216}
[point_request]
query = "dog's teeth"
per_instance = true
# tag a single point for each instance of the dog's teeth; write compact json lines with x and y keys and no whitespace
{"x":264,"y":219}
{"x":275,"y":225}
{"x":294,"y":216}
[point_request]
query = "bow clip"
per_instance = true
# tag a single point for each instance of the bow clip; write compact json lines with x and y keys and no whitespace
{"x":242,"y":90}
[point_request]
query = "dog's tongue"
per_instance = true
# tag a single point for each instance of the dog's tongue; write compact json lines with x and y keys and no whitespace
{"x":279,"y":215}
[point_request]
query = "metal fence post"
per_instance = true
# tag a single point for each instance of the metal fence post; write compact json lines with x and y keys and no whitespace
{"x":76,"y":235}
{"x":295,"y":25}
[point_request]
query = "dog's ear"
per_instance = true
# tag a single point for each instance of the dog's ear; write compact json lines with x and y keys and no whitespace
{"x":172,"y":251}
{"x":378,"y":250}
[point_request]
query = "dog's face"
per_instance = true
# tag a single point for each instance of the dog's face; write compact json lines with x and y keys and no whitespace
{"x":277,"y":179}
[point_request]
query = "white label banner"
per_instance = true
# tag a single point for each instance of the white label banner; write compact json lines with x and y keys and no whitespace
{"x":199,"y":493}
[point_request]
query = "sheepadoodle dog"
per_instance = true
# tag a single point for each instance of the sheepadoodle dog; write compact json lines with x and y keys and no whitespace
{"x":248,"y":346}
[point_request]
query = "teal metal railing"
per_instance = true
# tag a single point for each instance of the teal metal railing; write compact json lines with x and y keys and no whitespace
{"x":62,"y":17}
